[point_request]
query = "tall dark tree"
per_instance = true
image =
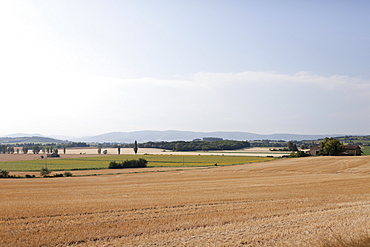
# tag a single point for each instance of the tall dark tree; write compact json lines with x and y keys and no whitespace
{"x":119,"y":149}
{"x":10,"y":150}
{"x":292,"y":146}
{"x":135,"y":147}
{"x":35,"y":149}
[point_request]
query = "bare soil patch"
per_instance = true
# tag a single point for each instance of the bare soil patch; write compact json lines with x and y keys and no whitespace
{"x":287,"y":202}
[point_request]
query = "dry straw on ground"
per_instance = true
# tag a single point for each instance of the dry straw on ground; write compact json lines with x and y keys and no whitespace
{"x":288,"y":202}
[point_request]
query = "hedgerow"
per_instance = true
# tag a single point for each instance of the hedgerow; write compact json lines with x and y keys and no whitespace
{"x":128,"y":164}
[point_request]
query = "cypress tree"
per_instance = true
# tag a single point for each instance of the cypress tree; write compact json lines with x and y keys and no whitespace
{"x":135,"y":147}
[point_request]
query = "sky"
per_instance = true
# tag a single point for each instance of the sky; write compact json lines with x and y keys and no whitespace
{"x":87,"y":67}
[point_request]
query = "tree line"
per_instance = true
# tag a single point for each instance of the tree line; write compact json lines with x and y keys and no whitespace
{"x":197,"y":145}
{"x":35,"y":149}
{"x":128,"y":164}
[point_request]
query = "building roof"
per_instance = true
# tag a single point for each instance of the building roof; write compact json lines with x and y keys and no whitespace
{"x":352,"y":147}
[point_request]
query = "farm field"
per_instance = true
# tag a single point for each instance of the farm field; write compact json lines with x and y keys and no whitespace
{"x":285,"y":202}
{"x":255,"y":151}
{"x":102,"y":161}
{"x":366,"y":150}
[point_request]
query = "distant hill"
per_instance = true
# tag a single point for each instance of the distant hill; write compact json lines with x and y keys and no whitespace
{"x":175,"y":135}
{"x":23,"y":135}
{"x":29,"y":139}
{"x":153,"y":135}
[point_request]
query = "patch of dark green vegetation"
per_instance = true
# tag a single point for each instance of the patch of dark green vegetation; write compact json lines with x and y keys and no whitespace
{"x":128,"y":164}
{"x":197,"y":145}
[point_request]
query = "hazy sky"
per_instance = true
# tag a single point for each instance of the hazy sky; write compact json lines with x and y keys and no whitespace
{"x":85,"y":67}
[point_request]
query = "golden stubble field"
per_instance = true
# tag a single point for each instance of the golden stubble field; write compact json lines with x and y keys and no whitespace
{"x":287,"y":202}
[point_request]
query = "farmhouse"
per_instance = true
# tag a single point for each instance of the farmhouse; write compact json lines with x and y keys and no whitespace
{"x":53,"y":155}
{"x":314,"y":151}
{"x":353,"y":150}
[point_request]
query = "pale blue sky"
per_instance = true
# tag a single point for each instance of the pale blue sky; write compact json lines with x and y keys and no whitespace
{"x":90,"y":67}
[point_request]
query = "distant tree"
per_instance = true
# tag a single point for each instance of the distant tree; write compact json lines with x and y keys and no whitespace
{"x":25,"y":150}
{"x":4,"y":173}
{"x":135,"y":147}
{"x":3,"y":149}
{"x":304,"y":146}
{"x":44,"y":171}
{"x":99,"y":150}
{"x":68,"y":174}
{"x":289,"y":145}
{"x":331,"y":146}
{"x":298,"y":154}
{"x":292,"y":146}
{"x":179,"y":146}
{"x":56,"y":151}
{"x":35,"y":149}
{"x":64,"y":149}
{"x":119,"y":149}
{"x":17,"y":150}
{"x":105,"y":151}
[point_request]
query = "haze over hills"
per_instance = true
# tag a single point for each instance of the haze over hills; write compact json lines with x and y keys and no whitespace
{"x":28,"y":139}
{"x":22,"y":135}
{"x":175,"y":135}
{"x":152,"y":135}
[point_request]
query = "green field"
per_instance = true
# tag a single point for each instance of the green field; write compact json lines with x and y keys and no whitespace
{"x":102,"y":162}
{"x":365,"y":150}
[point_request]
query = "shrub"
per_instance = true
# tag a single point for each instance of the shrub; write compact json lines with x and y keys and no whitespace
{"x":29,"y":176}
{"x":4,"y":173}
{"x":114,"y":165}
{"x":58,"y":175}
{"x":297,"y":154}
{"x":68,"y":174}
{"x":128,"y":164}
{"x":44,"y":171}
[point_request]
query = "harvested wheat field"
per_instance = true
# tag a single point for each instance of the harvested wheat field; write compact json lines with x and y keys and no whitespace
{"x":286,"y":202}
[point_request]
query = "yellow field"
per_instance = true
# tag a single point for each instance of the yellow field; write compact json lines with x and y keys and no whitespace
{"x":287,"y":202}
